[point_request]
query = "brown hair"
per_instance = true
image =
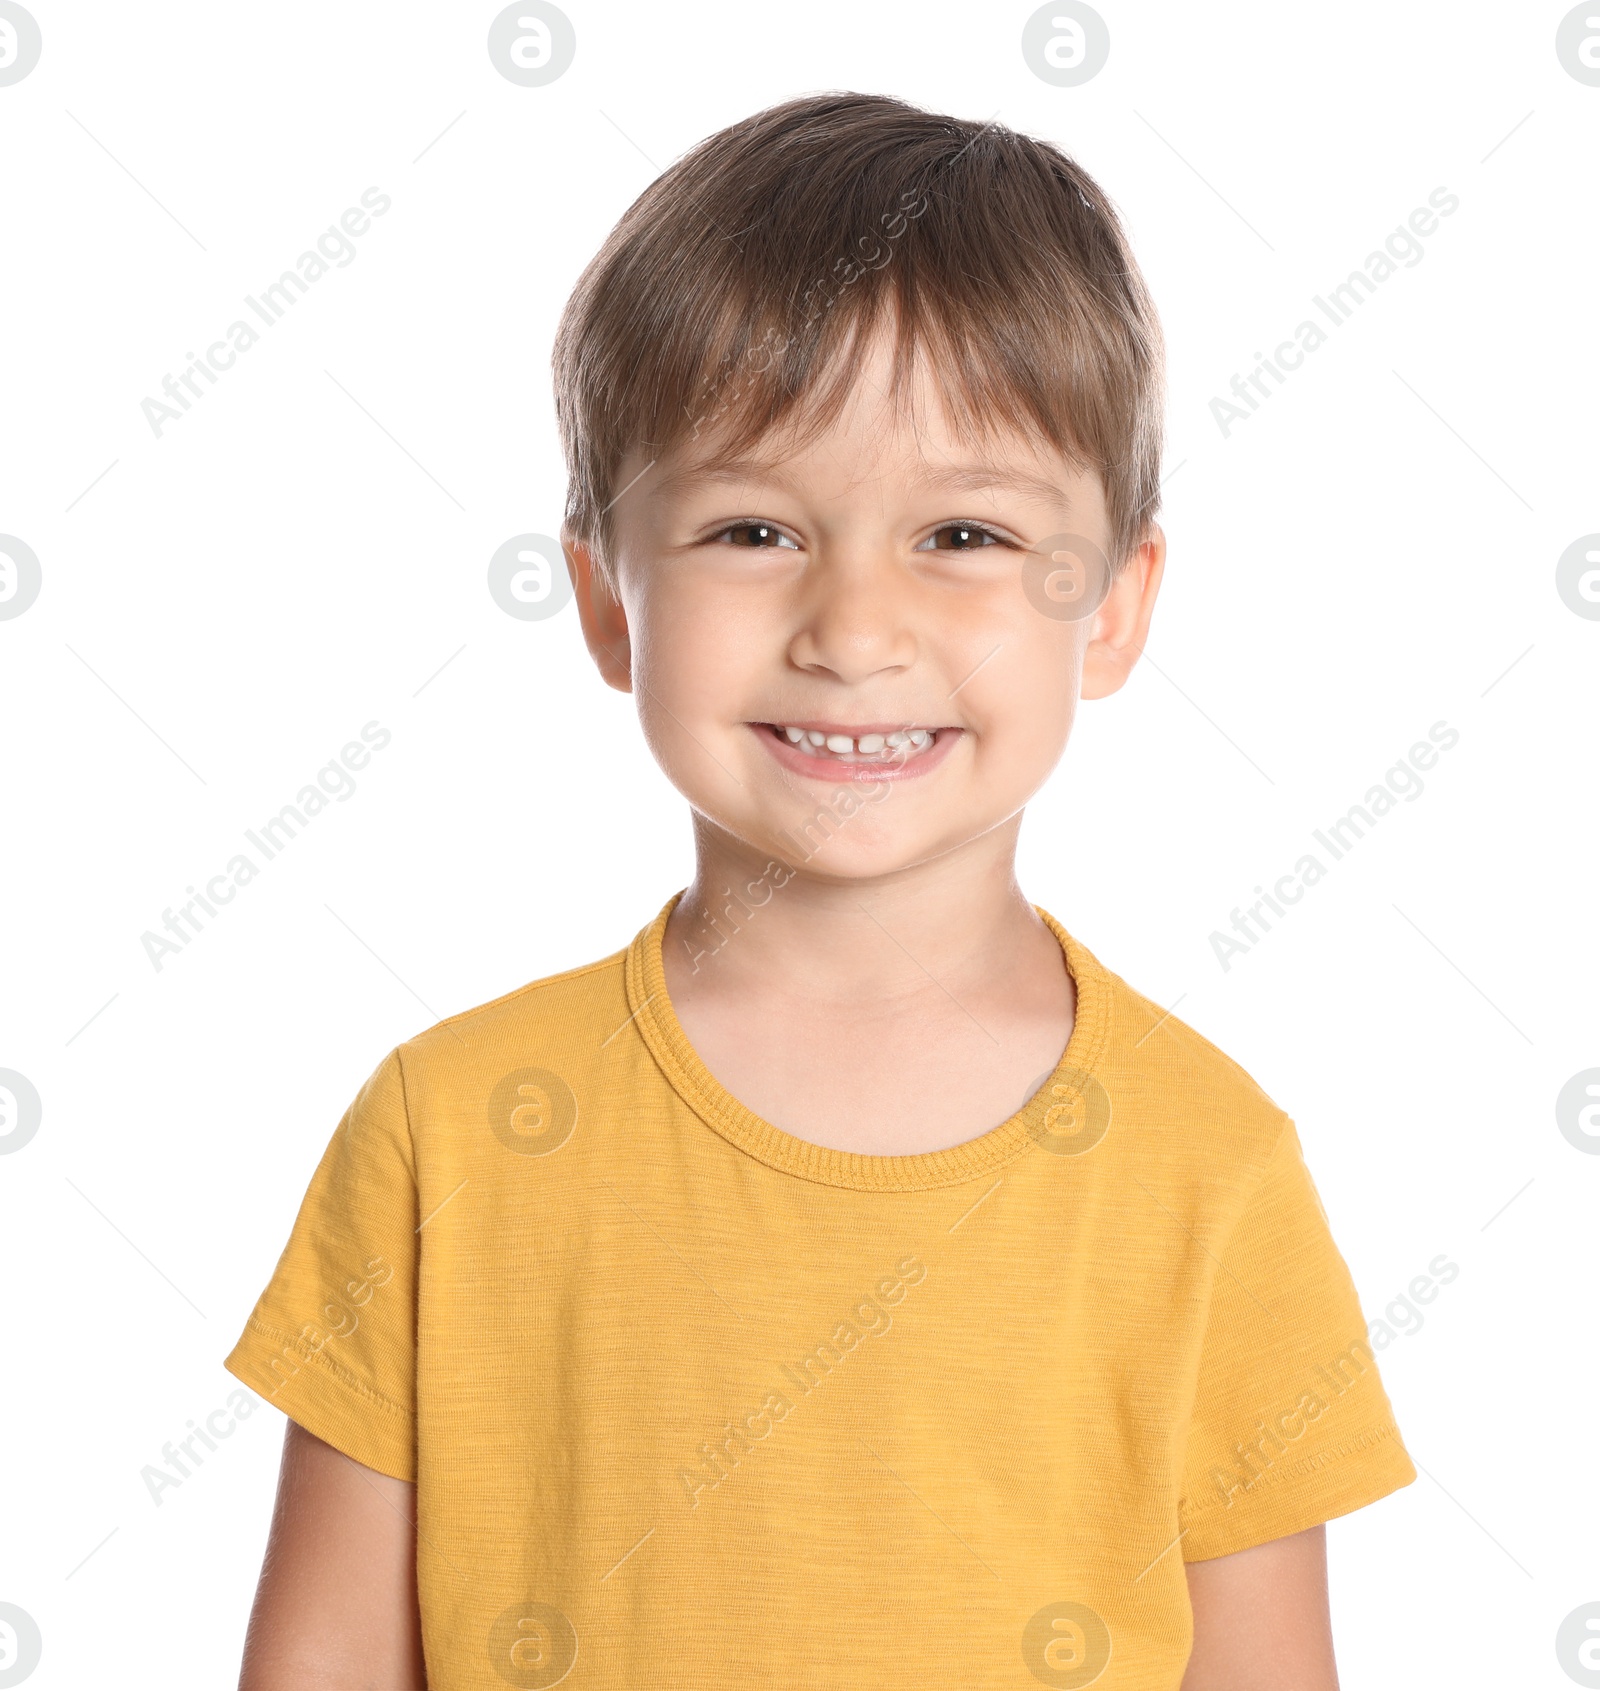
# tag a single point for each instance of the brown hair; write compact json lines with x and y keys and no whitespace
{"x":736,"y":279}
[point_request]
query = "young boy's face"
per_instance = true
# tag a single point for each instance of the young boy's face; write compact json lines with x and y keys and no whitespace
{"x":885,"y":584}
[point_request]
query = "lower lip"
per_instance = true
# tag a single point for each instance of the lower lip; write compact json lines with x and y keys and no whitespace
{"x":824,"y":766}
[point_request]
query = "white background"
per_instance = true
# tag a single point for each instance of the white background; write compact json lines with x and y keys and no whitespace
{"x":1373,"y":552}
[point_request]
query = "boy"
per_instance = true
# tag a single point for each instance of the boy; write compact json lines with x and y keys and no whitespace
{"x":851,"y":1282}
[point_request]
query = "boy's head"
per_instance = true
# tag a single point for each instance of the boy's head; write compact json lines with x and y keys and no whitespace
{"x":862,"y":411}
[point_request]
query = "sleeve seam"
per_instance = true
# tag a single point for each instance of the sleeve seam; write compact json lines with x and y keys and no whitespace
{"x":340,"y":1375}
{"x":411,"y":1135}
{"x":1255,"y":1190}
{"x":1277,"y":1144}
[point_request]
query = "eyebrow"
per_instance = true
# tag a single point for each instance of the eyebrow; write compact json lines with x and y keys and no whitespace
{"x":953,"y":478}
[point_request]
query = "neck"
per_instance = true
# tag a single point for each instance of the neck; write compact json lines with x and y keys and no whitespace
{"x":749,"y":923}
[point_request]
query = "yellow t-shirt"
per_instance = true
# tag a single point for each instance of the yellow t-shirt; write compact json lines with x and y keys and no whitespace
{"x":692,"y":1402}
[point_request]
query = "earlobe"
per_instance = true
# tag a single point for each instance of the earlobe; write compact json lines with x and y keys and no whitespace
{"x":605,"y":622}
{"x":1122,"y":624}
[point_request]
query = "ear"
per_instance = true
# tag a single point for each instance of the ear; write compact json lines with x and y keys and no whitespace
{"x":1122,"y":623}
{"x":605,"y":622}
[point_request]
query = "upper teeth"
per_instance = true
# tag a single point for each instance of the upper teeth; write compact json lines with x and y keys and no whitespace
{"x":817,"y":741}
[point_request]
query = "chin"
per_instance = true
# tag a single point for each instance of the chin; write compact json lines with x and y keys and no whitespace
{"x":842,"y":857}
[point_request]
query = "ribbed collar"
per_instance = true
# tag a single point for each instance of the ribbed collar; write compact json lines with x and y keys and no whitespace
{"x":658,"y":1025}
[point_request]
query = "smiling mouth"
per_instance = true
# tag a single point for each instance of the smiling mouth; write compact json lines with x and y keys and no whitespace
{"x":833,"y":743}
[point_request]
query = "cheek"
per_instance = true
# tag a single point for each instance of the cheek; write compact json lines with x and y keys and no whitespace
{"x":690,"y":674}
{"x":1026,"y":714}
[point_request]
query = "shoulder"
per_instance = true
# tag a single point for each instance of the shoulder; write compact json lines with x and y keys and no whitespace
{"x":1185,"y":1099}
{"x":543,"y":1024}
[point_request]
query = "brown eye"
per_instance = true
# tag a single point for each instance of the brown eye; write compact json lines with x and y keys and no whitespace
{"x":965,"y":537}
{"x":756,"y":534}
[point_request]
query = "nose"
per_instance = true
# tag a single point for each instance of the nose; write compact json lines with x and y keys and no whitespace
{"x":855,"y":618}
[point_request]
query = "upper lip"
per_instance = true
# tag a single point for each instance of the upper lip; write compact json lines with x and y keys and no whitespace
{"x":898,"y":726}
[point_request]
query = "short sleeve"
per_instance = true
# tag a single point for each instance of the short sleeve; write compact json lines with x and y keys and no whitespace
{"x":1291,"y":1425}
{"x":332,"y":1339}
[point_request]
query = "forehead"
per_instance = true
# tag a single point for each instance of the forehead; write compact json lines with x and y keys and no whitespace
{"x":874,"y":434}
{"x":709,"y":473}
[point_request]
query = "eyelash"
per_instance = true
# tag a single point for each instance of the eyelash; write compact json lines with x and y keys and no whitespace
{"x":993,"y":534}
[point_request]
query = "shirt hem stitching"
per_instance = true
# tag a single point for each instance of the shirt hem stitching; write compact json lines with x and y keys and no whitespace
{"x":340,"y":1376}
{"x":1264,"y":1484}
